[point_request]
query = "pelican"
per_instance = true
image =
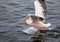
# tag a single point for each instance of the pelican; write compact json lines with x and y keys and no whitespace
{"x":37,"y":20}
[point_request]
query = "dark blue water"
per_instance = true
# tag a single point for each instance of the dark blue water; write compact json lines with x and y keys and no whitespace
{"x":13,"y":10}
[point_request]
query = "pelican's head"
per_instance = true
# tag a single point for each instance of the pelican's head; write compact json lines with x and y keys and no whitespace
{"x":29,"y":21}
{"x":26,"y":19}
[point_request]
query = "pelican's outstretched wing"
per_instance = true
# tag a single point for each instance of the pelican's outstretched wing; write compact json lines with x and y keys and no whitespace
{"x":40,"y":8}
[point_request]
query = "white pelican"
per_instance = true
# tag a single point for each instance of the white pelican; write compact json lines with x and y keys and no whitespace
{"x":37,"y":19}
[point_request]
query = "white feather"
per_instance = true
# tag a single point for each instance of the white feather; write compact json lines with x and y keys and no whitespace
{"x":38,"y":9}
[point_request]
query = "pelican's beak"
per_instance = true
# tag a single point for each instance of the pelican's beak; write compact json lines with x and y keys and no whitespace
{"x":23,"y":20}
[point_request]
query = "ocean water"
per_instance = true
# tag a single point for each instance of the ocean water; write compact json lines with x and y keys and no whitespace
{"x":13,"y":10}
